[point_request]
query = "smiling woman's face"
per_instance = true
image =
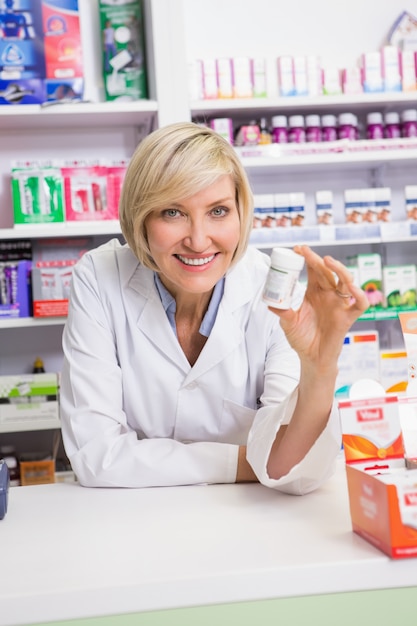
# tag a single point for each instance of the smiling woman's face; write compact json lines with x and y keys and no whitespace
{"x":193,"y":241}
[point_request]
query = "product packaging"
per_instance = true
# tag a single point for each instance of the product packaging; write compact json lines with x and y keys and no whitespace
{"x":286,"y":76}
{"x":382,"y":491}
{"x":408,"y":70}
{"x":410,"y":193}
{"x":224,"y":77}
{"x":393,"y":371}
{"x":264,"y":210}
{"x":53,"y":261}
{"x":359,"y":359}
{"x":115,"y":171}
{"x":224,"y":127}
{"x":352,"y":80}
{"x":242,"y":77}
{"x":37,"y":193}
{"x":324,"y":207}
{"x":51,"y":282}
{"x":21,"y":41}
{"x":399,"y":285}
{"x":37,"y":471}
{"x":124,"y":69}
{"x":300,"y":76}
{"x":15,"y":289}
{"x":372,"y":78}
{"x":259,"y":82}
{"x":210,"y":85}
{"x":332,"y":81}
{"x":40,"y":52}
{"x":62,"y":47}
{"x":408,"y":321}
{"x":370,"y":277}
{"x":29,"y":398}
{"x":85,"y":188}
{"x":391,"y":69}
{"x":297,"y":208}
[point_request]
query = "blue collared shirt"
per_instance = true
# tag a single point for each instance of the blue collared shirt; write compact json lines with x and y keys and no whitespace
{"x":170,"y":306}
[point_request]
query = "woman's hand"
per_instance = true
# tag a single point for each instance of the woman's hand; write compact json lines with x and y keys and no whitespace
{"x":332,"y":303}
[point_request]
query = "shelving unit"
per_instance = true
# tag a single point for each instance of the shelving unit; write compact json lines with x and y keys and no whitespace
{"x":91,"y":129}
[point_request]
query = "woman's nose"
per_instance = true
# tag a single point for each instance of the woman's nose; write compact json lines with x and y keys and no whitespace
{"x":197,"y":237}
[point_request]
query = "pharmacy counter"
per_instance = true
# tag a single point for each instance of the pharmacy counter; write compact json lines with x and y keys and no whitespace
{"x":194,"y":555}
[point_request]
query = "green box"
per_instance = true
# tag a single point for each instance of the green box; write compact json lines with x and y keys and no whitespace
{"x":122,"y":37}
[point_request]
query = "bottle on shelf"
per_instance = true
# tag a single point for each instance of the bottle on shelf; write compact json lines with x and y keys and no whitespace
{"x":265,"y":137}
{"x":328,"y":128}
{"x":313,"y":129}
{"x":347,"y":126}
{"x":279,"y":129}
{"x":374,"y":126}
{"x":409,"y":123}
{"x":38,"y":366}
{"x":297,"y":133}
{"x":392,"y":128}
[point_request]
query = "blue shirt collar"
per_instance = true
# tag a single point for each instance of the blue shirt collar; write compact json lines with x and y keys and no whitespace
{"x":169,"y":304}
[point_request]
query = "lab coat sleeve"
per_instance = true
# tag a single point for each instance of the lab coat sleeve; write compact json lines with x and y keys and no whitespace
{"x":314,"y":469}
{"x":103,"y":449}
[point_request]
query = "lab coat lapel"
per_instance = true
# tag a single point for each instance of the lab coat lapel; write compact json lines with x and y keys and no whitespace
{"x":152,"y":319}
{"x":228,"y":330}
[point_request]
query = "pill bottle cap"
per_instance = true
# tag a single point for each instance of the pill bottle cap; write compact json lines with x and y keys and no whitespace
{"x":313,"y":120}
{"x":328,"y":120}
{"x":296,"y":121}
{"x":279,"y":121}
{"x":410,"y":115}
{"x":347,"y":119}
{"x":285,"y":257}
{"x":374,"y":118}
{"x":392,"y":117}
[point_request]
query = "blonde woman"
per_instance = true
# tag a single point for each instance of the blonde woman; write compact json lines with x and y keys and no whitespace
{"x":175,"y":370}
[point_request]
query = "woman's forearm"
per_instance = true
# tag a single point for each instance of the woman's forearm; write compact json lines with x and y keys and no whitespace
{"x":310,"y":417}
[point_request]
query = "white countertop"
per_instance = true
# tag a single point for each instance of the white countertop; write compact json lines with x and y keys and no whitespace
{"x":68,"y":552}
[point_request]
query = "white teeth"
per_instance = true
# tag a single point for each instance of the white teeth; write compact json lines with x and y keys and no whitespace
{"x":202,"y":261}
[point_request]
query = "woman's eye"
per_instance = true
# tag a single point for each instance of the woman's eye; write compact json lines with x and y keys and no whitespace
{"x":220,"y":211}
{"x":170,"y":213}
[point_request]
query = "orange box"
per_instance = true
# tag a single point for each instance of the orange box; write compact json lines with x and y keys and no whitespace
{"x":382,"y":491}
{"x":37,"y":472}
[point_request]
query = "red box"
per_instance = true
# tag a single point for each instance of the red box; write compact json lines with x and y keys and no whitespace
{"x":382,"y":491}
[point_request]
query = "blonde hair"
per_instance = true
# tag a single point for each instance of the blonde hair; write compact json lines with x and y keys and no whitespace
{"x":173,"y":163}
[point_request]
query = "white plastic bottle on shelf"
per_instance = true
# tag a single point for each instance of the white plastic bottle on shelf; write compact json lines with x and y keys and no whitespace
{"x":279,"y":129}
{"x":347,"y":126}
{"x":374,"y":126}
{"x":297,"y":133}
{"x":409,"y":123}
{"x":328,"y":128}
{"x":392,"y":128}
{"x":313,"y":129}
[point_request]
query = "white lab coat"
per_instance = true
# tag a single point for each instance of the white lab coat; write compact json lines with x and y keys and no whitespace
{"x":135,"y":413}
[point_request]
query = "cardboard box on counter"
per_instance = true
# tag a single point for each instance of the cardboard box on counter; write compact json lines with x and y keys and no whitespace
{"x":382,"y":490}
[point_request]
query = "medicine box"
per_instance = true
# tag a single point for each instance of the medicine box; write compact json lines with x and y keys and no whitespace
{"x":382,"y":491}
{"x":15,"y":300}
{"x":51,"y":283}
{"x":28,"y":399}
{"x":37,"y":472}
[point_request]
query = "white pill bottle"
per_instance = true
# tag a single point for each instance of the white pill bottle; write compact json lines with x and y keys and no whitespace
{"x":282,"y":278}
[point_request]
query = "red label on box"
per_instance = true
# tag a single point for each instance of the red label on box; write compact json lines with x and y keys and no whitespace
{"x":50,"y":308}
{"x":369,"y":415}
